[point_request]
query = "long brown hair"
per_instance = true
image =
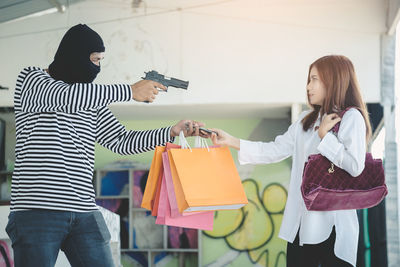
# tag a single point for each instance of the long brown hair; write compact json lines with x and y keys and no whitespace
{"x":342,"y":90}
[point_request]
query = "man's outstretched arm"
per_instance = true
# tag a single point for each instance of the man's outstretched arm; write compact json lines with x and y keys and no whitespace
{"x":38,"y":92}
{"x":112,"y":135}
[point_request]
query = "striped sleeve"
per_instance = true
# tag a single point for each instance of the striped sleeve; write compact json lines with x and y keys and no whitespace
{"x":112,"y":135}
{"x":41,"y":93}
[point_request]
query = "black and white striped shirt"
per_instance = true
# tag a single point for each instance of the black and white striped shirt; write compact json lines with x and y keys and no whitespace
{"x":57,"y":125}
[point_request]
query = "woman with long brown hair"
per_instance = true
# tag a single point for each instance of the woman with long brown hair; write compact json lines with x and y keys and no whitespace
{"x":317,"y":238}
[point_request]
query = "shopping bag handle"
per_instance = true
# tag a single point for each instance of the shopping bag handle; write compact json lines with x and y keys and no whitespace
{"x":201,"y":142}
{"x":183,"y":142}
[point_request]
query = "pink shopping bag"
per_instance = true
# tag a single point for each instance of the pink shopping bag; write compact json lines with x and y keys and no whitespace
{"x":6,"y":259}
{"x":170,"y":186}
{"x":196,"y":220}
{"x":171,"y":191}
{"x":163,"y":203}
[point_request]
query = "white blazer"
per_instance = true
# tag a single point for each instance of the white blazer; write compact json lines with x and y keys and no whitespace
{"x":346,"y":151}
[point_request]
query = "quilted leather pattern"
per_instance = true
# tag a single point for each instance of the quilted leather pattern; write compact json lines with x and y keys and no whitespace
{"x":326,"y":187}
{"x":339,"y":190}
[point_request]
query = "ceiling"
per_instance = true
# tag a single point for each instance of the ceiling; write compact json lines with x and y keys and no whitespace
{"x":17,"y":9}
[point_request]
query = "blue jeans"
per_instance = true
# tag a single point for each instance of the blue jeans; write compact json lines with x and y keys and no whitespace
{"x":38,"y":235}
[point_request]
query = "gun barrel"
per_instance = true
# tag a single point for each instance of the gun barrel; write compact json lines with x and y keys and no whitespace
{"x":178,"y":83}
{"x":166,"y":81}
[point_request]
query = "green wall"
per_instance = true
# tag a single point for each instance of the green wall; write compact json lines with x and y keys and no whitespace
{"x":239,"y":128}
{"x":248,"y":236}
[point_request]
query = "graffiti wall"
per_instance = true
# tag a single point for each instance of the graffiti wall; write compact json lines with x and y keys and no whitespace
{"x":249,"y":236}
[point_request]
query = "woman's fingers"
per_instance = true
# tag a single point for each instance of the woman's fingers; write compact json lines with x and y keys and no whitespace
{"x":336,"y":120}
{"x":203,"y":135}
{"x":217,"y":136}
{"x":220,"y":133}
{"x":333,"y":118}
{"x":214,"y":139}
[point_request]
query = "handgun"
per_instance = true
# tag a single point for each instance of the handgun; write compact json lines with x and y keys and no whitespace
{"x":164,"y":80}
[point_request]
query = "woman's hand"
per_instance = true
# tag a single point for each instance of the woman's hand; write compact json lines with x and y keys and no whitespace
{"x":327,"y":124}
{"x":189,"y":128}
{"x":224,"y":139}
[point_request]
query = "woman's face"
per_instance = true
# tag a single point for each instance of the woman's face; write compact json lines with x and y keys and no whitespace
{"x":316,"y":90}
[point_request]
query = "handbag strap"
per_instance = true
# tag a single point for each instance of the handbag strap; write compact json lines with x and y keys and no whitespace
{"x":335,"y":128}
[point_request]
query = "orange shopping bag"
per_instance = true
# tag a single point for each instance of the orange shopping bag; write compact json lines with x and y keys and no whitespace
{"x":196,"y":220}
{"x":208,"y":178}
{"x":152,"y":179}
{"x":179,"y":196}
{"x":156,"y":200}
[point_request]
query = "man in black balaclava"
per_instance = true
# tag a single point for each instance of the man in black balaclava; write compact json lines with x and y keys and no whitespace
{"x":72,"y":62}
{"x":60,"y":115}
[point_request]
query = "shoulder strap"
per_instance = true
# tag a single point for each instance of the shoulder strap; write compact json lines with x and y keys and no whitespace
{"x":335,"y":128}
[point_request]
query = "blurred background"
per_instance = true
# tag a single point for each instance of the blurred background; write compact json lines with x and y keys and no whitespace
{"x":247,"y":63}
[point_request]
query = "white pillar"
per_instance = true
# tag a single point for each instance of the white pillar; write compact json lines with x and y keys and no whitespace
{"x":391,"y":149}
{"x":296,"y":110}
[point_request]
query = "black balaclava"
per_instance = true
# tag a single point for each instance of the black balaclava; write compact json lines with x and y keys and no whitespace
{"x":72,"y":60}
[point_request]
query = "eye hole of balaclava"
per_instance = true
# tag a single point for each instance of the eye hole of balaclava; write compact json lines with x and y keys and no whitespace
{"x":72,"y":62}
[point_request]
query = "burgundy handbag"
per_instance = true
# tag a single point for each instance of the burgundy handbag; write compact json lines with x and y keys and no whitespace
{"x":326,"y":187}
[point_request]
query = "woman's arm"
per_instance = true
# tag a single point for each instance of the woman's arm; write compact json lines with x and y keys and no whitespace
{"x":260,"y":152}
{"x":348,"y":149}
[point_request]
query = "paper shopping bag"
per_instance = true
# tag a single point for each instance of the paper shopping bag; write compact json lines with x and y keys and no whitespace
{"x":171,"y":190}
{"x":152,"y":179}
{"x":197,"y":220}
{"x":154,"y":208}
{"x":172,"y":186}
{"x":179,"y":195}
{"x":208,"y":177}
{"x":162,"y":203}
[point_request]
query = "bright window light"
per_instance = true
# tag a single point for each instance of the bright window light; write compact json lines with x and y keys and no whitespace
{"x":378,"y":146}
